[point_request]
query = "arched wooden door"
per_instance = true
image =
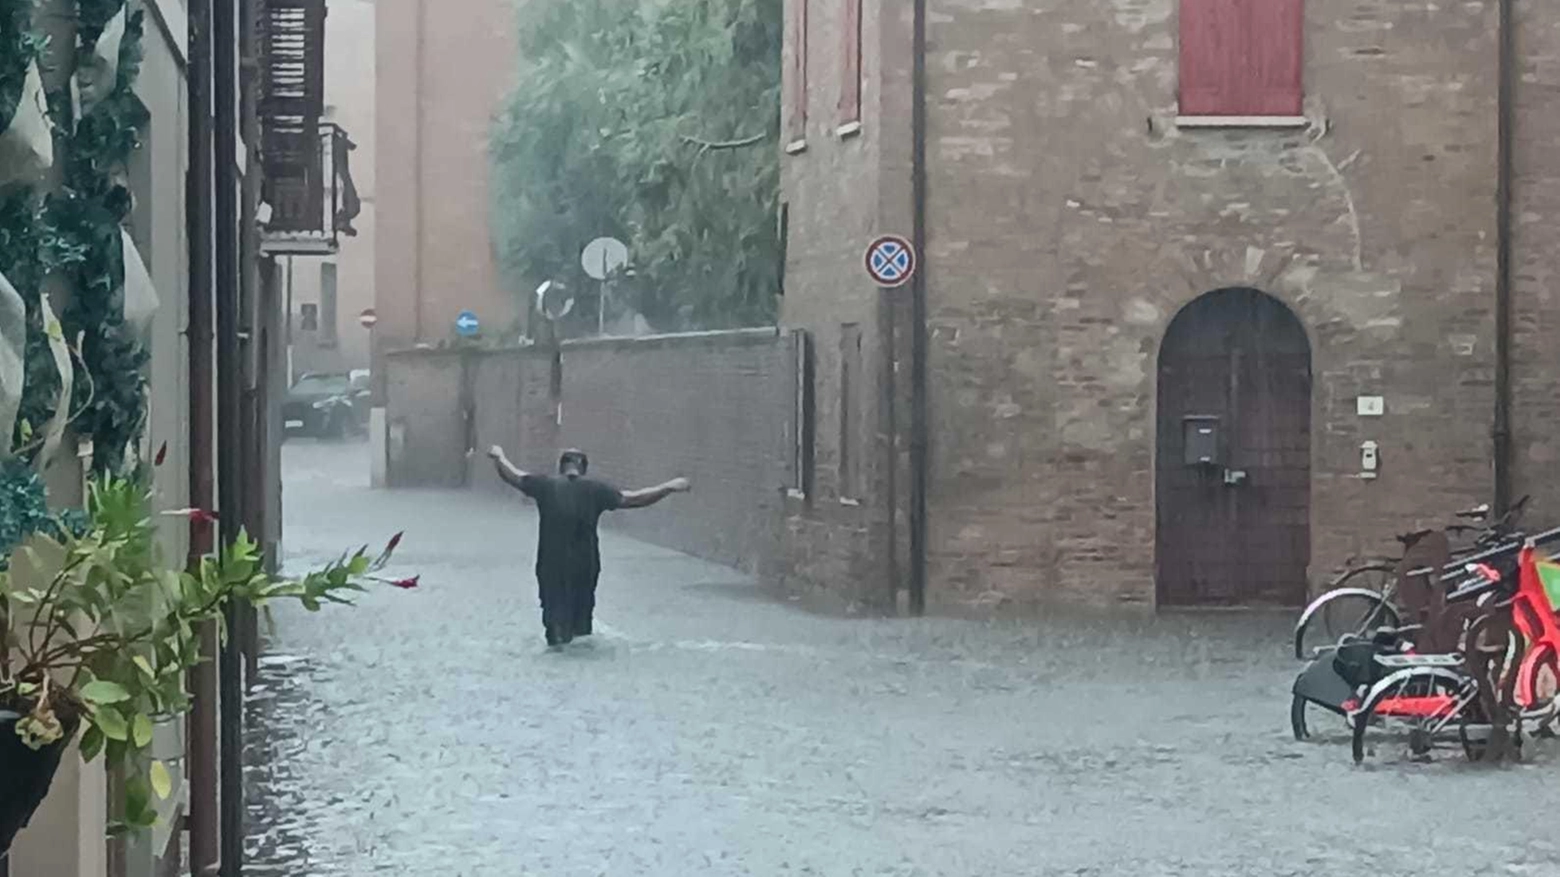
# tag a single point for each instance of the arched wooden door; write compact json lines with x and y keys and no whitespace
{"x":1233,"y":468}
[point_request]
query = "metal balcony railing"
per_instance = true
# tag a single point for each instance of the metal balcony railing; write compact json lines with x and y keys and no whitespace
{"x":308,"y":187}
{"x":306,"y":175}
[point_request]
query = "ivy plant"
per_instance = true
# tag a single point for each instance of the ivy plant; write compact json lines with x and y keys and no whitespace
{"x":73,"y":230}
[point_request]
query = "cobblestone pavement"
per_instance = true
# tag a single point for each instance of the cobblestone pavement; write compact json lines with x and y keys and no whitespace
{"x":707,"y":730}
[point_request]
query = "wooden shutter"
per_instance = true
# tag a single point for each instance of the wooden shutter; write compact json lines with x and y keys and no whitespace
{"x":850,"y":75}
{"x":1242,"y":57}
{"x":796,"y":125}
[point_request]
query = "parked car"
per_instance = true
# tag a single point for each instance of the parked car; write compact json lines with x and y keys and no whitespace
{"x":326,"y":405}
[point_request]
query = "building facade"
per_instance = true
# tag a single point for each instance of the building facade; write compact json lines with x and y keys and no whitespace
{"x":439,"y":81}
{"x":1212,"y":292}
{"x":327,"y":295}
{"x":234,"y":168}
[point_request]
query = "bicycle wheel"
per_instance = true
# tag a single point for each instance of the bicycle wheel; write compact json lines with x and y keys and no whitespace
{"x":1426,"y":702}
{"x":1340,"y":612}
{"x":1299,"y":712}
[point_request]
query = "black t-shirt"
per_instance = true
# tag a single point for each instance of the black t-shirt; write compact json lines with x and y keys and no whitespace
{"x":570,"y":509}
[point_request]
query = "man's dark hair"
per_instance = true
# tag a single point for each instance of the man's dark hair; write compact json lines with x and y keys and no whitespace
{"x":573,"y":463}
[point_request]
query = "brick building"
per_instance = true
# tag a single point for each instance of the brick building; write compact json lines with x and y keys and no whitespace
{"x":439,"y":76}
{"x":327,"y":294}
{"x":1188,"y":265}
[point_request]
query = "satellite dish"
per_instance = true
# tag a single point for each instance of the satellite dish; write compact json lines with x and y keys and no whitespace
{"x":604,"y":257}
{"x":554,"y":300}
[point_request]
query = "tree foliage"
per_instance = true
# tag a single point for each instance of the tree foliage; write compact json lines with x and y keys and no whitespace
{"x":657,"y":122}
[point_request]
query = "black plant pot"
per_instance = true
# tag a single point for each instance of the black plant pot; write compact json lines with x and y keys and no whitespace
{"x":27,"y":774}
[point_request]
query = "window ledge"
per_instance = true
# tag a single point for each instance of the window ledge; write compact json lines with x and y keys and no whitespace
{"x":796,"y":147}
{"x":1242,"y":122}
{"x":848,"y":130}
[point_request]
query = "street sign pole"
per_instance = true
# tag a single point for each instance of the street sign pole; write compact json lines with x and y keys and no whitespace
{"x":601,"y":300}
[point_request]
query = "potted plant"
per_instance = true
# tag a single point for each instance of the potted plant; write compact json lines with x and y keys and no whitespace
{"x":97,"y":634}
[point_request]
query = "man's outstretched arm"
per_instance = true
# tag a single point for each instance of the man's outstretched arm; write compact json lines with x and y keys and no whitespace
{"x":507,"y":470}
{"x":643,"y":499}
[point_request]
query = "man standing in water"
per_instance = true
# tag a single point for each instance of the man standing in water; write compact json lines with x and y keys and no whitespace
{"x":568,"y":556}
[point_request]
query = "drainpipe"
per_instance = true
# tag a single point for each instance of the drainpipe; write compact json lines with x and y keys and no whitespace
{"x":256,"y":304}
{"x":919,"y":428}
{"x":203,"y":825}
{"x":1503,"y":237}
{"x":417,"y":174}
{"x":230,"y":390}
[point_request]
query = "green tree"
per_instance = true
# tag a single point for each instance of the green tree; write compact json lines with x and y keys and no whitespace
{"x":655,"y":121}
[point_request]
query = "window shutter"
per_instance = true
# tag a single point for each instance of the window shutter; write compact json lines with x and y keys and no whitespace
{"x":1242,"y":57}
{"x":850,"y":76}
{"x":1275,"y":71}
{"x":796,"y":125}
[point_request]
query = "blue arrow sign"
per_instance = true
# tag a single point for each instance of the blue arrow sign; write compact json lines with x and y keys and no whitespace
{"x":467,"y":324}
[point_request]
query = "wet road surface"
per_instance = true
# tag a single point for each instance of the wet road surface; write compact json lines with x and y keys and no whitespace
{"x":708,"y":730}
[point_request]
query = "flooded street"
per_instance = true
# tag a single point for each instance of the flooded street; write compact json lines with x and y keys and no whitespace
{"x":708,"y":730}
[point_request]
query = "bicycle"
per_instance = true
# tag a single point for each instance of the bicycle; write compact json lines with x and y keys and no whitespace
{"x":1506,"y":677}
{"x":1364,"y":596}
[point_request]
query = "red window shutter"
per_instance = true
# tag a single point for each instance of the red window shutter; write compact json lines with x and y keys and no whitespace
{"x":850,"y":76}
{"x":796,"y":128}
{"x":1242,"y":57}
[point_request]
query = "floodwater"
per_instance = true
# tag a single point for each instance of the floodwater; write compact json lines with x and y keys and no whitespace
{"x":709,"y":730}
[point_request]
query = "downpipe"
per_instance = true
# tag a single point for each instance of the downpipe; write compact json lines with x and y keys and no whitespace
{"x":202,"y":820}
{"x":919,"y":426}
{"x":1505,"y":177}
{"x":229,"y":405}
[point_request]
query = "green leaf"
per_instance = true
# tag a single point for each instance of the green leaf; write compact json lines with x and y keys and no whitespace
{"x":145,"y":667}
{"x":138,"y":802}
{"x":141,"y":731}
{"x":162,"y":783}
{"x":91,"y":743}
{"x":112,"y":724}
{"x":104,"y":692}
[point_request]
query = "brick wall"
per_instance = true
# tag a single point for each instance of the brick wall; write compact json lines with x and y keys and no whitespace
{"x":433,"y":247}
{"x":427,"y":446}
{"x":1536,"y":300}
{"x":843,"y":190}
{"x":1071,"y":219}
{"x":711,"y":407}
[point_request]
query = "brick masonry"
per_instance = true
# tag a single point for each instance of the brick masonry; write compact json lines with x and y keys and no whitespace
{"x":714,"y":408}
{"x":439,"y":81}
{"x":1070,"y":220}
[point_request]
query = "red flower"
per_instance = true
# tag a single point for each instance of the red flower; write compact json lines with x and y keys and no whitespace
{"x":162,"y":454}
{"x":405,"y":584}
{"x":394,"y":541}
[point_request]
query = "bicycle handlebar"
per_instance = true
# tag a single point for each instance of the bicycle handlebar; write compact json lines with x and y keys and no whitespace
{"x":1488,"y":532}
{"x":1512,"y":544}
